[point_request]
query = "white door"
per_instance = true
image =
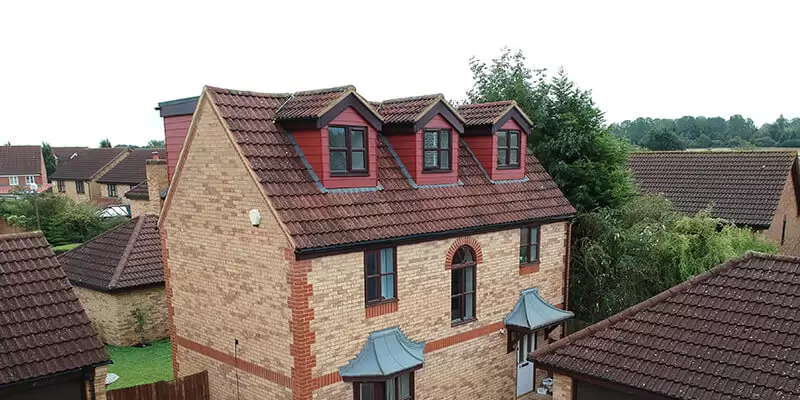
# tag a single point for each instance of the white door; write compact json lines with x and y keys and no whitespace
{"x":525,"y":369}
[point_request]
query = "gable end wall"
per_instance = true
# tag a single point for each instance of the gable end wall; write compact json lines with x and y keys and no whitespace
{"x":787,"y":207}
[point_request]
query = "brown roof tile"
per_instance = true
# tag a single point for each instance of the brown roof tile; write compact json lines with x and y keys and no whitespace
{"x":730,"y":333}
{"x":318,"y":218}
{"x":124,"y":257}
{"x":139,"y":192}
{"x":310,"y":104}
{"x":408,"y":109}
{"x":64,"y":153}
{"x":43,"y":328}
{"x":87,"y":164}
{"x":743,"y":186}
{"x":20,"y":160}
{"x":488,"y":113}
{"x":131,"y":170}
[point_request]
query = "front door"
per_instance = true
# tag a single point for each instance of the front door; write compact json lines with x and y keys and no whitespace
{"x":525,"y":369}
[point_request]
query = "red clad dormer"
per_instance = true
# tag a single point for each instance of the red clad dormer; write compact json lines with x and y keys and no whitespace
{"x":497,"y":133}
{"x":337,"y":132}
{"x":424,"y":132}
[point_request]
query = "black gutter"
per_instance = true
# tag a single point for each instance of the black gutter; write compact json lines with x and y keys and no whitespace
{"x":314,"y":252}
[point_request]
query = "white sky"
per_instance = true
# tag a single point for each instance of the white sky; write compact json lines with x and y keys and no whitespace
{"x":74,"y":72}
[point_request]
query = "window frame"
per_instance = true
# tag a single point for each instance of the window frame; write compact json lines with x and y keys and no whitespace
{"x":507,"y":149}
{"x":529,"y":260}
{"x":13,"y":181}
{"x":379,"y":276}
{"x":461,"y":269}
{"x":80,"y":188}
{"x":439,"y":150}
{"x":29,"y":179}
{"x":381,"y":386}
{"x":348,"y":150}
{"x":112,"y":189}
{"x":61,"y":186}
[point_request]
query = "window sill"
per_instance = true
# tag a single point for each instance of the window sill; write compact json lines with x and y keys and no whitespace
{"x":462,"y":322}
{"x":437,"y":171}
{"x":346,"y":174}
{"x":508,"y":167}
{"x":381,"y":308}
{"x":528,"y":268}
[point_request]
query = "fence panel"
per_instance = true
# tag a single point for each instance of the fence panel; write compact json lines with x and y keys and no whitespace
{"x":192,"y":387}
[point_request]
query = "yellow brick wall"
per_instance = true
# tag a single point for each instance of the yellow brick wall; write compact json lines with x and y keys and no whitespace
{"x":562,"y":387}
{"x":423,"y":290}
{"x":229,"y":279}
{"x":139,"y":207}
{"x":122,"y":188}
{"x":99,"y":383}
{"x":111,"y":314}
{"x":69,"y":191}
{"x":787,"y":207}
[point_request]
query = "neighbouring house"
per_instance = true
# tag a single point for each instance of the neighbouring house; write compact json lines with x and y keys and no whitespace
{"x":64,"y":154}
{"x":21,"y":166}
{"x":729,"y":333}
{"x":48,"y":348}
{"x":77,"y":178}
{"x":756,"y":189}
{"x":128,"y":173}
{"x":177,"y":115}
{"x":317,"y":246}
{"x":118,"y":273}
{"x":147,"y":197}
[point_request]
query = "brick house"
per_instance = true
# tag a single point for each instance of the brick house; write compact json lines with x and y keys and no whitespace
{"x":756,"y":189}
{"x":120,"y":272}
{"x":318,"y":246}
{"x":77,"y":178}
{"x":147,"y":197}
{"x":48,"y":348}
{"x":729,"y":333}
{"x":21,"y":166}
{"x":126,"y":174}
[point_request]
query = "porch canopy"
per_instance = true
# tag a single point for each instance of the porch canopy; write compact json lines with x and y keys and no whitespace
{"x":387,"y":353}
{"x":530,"y":314}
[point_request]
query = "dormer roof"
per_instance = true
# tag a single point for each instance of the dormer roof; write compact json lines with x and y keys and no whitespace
{"x":416,"y":111}
{"x":494,"y":115}
{"x":323,"y":105}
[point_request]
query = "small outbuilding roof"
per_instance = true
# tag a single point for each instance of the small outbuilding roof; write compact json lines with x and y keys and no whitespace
{"x":531,"y":312}
{"x":387,"y":352}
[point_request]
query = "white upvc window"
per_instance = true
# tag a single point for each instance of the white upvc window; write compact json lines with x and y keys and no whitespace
{"x":29,"y":179}
{"x":13,"y":181}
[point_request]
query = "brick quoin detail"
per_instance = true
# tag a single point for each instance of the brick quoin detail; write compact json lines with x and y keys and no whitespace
{"x":170,"y":310}
{"x":300,"y":326}
{"x":381,"y":309}
{"x":469,"y":241}
{"x":240,"y":364}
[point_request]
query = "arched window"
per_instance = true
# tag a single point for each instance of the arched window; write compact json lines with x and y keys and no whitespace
{"x":463,"y":283}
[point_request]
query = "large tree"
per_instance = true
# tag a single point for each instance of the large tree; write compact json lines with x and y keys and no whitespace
{"x":105,"y":143}
{"x":569,"y":135}
{"x":49,"y":158}
{"x":662,"y":139}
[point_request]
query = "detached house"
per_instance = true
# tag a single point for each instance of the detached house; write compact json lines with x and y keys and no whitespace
{"x":77,"y":178}
{"x":21,"y":166}
{"x":317,"y":246}
{"x":756,"y":189}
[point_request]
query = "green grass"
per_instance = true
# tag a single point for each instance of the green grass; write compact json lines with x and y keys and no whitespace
{"x":140,"y":365}
{"x":65,"y":248}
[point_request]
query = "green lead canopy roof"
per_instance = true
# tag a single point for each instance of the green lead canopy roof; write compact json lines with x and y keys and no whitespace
{"x":386,"y":353}
{"x":531,"y":312}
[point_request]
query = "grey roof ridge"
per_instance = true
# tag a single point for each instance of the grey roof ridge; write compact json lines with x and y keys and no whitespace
{"x":123,"y":259}
{"x":94,"y":175}
{"x":675,"y":290}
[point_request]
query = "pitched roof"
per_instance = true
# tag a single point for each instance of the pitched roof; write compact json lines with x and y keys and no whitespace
{"x":124,"y":257}
{"x":489,"y":113}
{"x":385,"y":353}
{"x":87,"y":164}
{"x":20,"y":160}
{"x":43,"y":328}
{"x":418,"y":110}
{"x":743,"y":186}
{"x":730,"y":333}
{"x":532,"y":312}
{"x":64,"y":153}
{"x":139,"y":192}
{"x":317,"y":218}
{"x":131,"y":170}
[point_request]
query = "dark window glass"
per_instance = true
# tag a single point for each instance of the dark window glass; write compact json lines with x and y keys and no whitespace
{"x":436,"y":149}
{"x":60,"y":186}
{"x":397,"y":388}
{"x":462,"y":285}
{"x":508,"y":149}
{"x":79,"y":187}
{"x":348,"y":149}
{"x":380,"y":272}
{"x":112,"y":190}
{"x":529,"y":245}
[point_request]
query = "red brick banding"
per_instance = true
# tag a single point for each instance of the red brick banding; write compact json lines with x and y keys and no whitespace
{"x":170,"y":309}
{"x":300,"y":327}
{"x":326,"y":380}
{"x":469,"y":241}
{"x":527,"y":269}
{"x":463,"y":337}
{"x":381,"y":309}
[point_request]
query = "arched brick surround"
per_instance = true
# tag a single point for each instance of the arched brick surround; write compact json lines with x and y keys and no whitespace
{"x":469,"y":241}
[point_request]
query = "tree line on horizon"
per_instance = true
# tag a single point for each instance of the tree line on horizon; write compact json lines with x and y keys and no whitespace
{"x":714,"y":132}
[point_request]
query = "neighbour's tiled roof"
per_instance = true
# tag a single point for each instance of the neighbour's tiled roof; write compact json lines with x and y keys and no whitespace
{"x":139,"y":192}
{"x":408,"y":109}
{"x":730,"y":333}
{"x":487,"y":113}
{"x":43,"y":328}
{"x":131,"y":170}
{"x":88,"y":163}
{"x":64,"y":153}
{"x":743,"y":186}
{"x":310,"y":104}
{"x":317,"y":218}
{"x":20,"y":160}
{"x":124,"y":257}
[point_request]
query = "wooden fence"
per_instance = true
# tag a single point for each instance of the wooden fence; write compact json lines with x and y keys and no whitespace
{"x":192,"y":387}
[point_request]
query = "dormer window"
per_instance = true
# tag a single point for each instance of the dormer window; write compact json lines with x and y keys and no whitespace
{"x":348,"y":150}
{"x":437,"y":149}
{"x":508,"y":149}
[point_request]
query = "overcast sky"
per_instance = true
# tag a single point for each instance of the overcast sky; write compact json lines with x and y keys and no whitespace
{"x":74,"y":72}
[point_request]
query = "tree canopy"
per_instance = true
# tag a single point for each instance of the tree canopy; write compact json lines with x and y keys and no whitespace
{"x":105,"y":143}
{"x":49,"y":158}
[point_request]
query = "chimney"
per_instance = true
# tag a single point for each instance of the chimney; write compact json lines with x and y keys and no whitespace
{"x":157,"y":181}
{"x":177,"y":115}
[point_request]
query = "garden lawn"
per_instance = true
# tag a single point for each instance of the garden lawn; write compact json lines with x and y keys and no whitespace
{"x":140,"y":365}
